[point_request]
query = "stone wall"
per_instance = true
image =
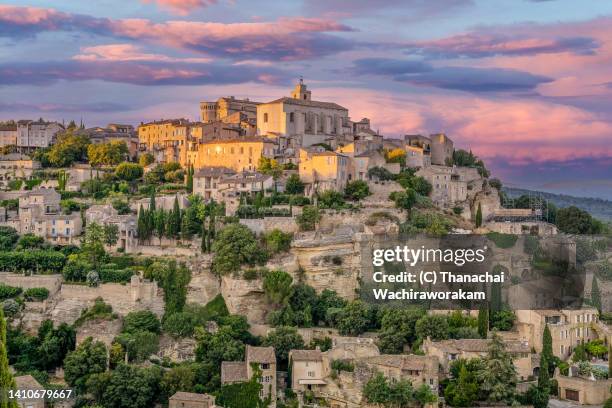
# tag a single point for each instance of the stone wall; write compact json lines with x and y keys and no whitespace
{"x":267,"y":224}
{"x":245,"y":297}
{"x":50,"y":282}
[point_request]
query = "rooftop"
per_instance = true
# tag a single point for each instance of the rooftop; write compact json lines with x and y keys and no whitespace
{"x":213,"y":171}
{"x":191,"y":396}
{"x":260,"y":354}
{"x":302,"y":102}
{"x":306,"y":355}
{"x":233,"y":371}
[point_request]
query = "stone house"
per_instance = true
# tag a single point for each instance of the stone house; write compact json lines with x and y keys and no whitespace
{"x":322,"y":170}
{"x":308,"y":370}
{"x":206,"y":180}
{"x":448,"y":351}
{"x":16,"y":166}
{"x":40,"y":214}
{"x":36,"y":134}
{"x":238,"y":154}
{"x":8,"y":134}
{"x":568,"y":328}
{"x":242,"y":371}
{"x":417,"y":369}
{"x":126,"y":225}
{"x":182,"y":399}
{"x":585,"y":391}
{"x":441,"y":149}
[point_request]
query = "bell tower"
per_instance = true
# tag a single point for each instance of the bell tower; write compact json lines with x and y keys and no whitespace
{"x":300,"y":91}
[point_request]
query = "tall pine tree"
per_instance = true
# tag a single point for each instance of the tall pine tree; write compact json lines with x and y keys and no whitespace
{"x":141,"y":227}
{"x":189,"y":184}
{"x":7,"y":382}
{"x":479,"y":216}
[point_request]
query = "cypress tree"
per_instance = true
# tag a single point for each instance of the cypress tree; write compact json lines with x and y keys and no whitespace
{"x":174,"y":220}
{"x":479,"y":216}
{"x":142,"y":224}
{"x":160,"y":224}
{"x":542,"y":396}
{"x":483,"y":322}
{"x":547,"y":351}
{"x":204,"y":236}
{"x":152,"y":200}
{"x":595,"y":294}
{"x":7,"y":382}
{"x":190,"y":179}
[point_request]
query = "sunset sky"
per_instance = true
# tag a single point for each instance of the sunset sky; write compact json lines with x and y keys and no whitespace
{"x":527,"y":85}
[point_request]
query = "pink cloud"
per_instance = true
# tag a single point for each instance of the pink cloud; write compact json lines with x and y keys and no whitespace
{"x":182,"y":7}
{"x":127,"y":52}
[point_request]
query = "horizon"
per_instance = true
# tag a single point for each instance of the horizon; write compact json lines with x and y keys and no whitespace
{"x":524,"y":85}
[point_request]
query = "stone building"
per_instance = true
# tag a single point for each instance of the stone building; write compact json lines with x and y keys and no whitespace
{"x":35,"y":134}
{"x":237,"y":154}
{"x":40,"y":214}
{"x":322,"y":170}
{"x":206,"y":180}
{"x":441,"y":149}
{"x":568,"y":328}
{"x":16,"y":166}
{"x":417,"y":369}
{"x":126,"y":225}
{"x":227,"y":106}
{"x":182,"y":399}
{"x":299,"y":121}
{"x":161,"y":134}
{"x":8,"y":134}
{"x":585,"y":391}
{"x":112,"y":132}
{"x":242,"y":371}
{"x":448,"y":351}
{"x":244,"y":183}
{"x":307,"y":370}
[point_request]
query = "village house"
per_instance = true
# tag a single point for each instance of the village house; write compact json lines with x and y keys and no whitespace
{"x":299,"y":121}
{"x":226,"y":107}
{"x":8,"y":134}
{"x":112,"y":132}
{"x":206,"y":180}
{"x":242,"y":184}
{"x":25,"y":383}
{"x":448,"y":351}
{"x":308,"y":370}
{"x":16,"y":166}
{"x":417,"y":369}
{"x":585,"y":391}
{"x":262,"y":358}
{"x":126,"y":224}
{"x":568,"y":328}
{"x":322,"y":170}
{"x":36,"y":134}
{"x":40,"y":214}
{"x":451,"y":185}
{"x":237,"y":154}
{"x":182,"y":399}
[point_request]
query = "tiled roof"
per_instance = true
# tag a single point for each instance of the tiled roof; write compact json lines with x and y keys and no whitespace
{"x":233,"y":371}
{"x":479,"y":346}
{"x":190,"y":396}
{"x":249,"y":139}
{"x":306,"y":355}
{"x":213,"y":171}
{"x":245,"y":177}
{"x":260,"y":354}
{"x":402,"y":361}
{"x":27,"y":382}
{"x":302,"y":102}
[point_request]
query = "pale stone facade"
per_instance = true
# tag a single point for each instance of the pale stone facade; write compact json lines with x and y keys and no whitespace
{"x":307,"y":370}
{"x":35,"y":134}
{"x":322,"y":170}
{"x":15,"y":166}
{"x":583,"y":390}
{"x":225,"y":107}
{"x":206,"y":180}
{"x":237,"y":154}
{"x":8,"y":134}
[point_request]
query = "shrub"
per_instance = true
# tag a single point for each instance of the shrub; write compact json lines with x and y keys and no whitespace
{"x":502,"y":240}
{"x":180,"y":324}
{"x":343,"y":365}
{"x":36,"y":294}
{"x":277,"y":241}
{"x":356,"y":190}
{"x":7,"y":292}
{"x":307,"y":221}
{"x":331,"y":199}
{"x":143,"y":320}
{"x":380,"y":173}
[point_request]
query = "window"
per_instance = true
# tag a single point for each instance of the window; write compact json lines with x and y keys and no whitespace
{"x":291,"y":117}
{"x":311,"y":373}
{"x":265,"y":366}
{"x":265,"y":118}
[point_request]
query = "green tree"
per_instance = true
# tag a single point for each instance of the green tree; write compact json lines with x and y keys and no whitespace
{"x":376,"y":390}
{"x":7,"y":382}
{"x":404,"y":199}
{"x":547,"y":351}
{"x":283,"y":339}
{"x":243,"y":394}
{"x":174,"y":220}
{"x":236,"y":245}
{"x":277,"y":286}
{"x":142,"y":320}
{"x":356,"y":190}
{"x":573,"y":220}
{"x":434,"y":326}
{"x":145,"y":159}
{"x":111,"y":234}
{"x":595,"y":294}
{"x":160,"y":224}
{"x":294,"y":185}
{"x":109,"y":154}
{"x":483,"y":322}
{"x":541,"y":400}
{"x":62,"y":179}
{"x":328,"y":299}
{"x":497,"y":377}
{"x":128,"y":171}
{"x":478,"y":220}
{"x":421,"y":186}
{"x":308,"y":219}
{"x":92,"y":245}
{"x":139,"y":345}
{"x":179,"y":324}
{"x":462,"y":391}
{"x":278,"y":241}
{"x":398,"y":329}
{"x":68,"y":149}
{"x":353,"y":319}
{"x":180,"y":378}
{"x":189,"y":181}
{"x":89,"y":358}
{"x":218,"y":347}
{"x":129,"y":387}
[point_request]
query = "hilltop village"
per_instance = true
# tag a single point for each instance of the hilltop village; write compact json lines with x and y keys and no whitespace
{"x":222,"y":263}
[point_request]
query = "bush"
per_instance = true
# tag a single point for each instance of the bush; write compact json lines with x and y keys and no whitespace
{"x":307,"y":221}
{"x":294,"y":185}
{"x":180,"y":324}
{"x":143,"y":320}
{"x":380,"y":173}
{"x":331,"y":199}
{"x":39,"y":260}
{"x":128,"y":171}
{"x":356,"y":190}
{"x":277,"y":241}
{"x":36,"y":294}
{"x":235,"y":246}
{"x":502,"y":240}
{"x":342,"y":365}
{"x":7,"y":292}
{"x":8,"y":238}
{"x":115,"y":275}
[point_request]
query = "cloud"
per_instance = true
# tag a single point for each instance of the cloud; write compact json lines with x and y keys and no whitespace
{"x":182,"y":7}
{"x":453,"y":78}
{"x":127,"y":52}
{"x":136,"y":72}
{"x":285,"y":39}
{"x":100,"y":107}
{"x":410,"y":8}
{"x":485,"y":44}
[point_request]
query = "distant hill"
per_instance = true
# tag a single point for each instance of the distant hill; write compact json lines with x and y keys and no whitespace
{"x":597,"y":207}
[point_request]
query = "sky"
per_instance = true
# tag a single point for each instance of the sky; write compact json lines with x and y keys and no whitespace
{"x":525,"y":84}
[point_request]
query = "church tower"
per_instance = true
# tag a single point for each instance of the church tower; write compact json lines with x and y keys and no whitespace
{"x":300,"y":91}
